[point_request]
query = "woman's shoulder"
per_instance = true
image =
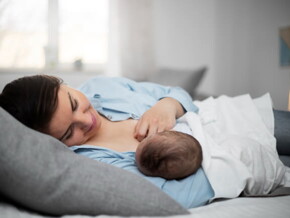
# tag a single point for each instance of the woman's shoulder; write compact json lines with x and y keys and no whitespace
{"x":104,"y":82}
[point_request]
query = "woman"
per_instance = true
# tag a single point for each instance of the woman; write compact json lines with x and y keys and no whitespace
{"x":115,"y":113}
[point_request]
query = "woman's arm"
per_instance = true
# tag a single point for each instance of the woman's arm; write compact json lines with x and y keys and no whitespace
{"x":172,"y":103}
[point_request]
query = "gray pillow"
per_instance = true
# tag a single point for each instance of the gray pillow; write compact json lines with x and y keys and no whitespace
{"x":40,"y":173}
{"x":187,"y":79}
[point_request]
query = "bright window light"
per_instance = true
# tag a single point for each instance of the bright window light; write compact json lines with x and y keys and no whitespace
{"x":53,"y":34}
{"x":22,"y":33}
{"x":83,"y":31}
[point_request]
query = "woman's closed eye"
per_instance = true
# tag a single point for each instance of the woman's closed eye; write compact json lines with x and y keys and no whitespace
{"x":68,"y":134}
{"x":75,"y":105}
{"x":73,"y":102}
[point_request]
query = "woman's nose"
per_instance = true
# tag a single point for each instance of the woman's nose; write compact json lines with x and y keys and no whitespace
{"x":83,"y":119}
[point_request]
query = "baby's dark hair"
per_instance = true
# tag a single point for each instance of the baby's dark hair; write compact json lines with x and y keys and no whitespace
{"x":32,"y":100}
{"x":169,"y":154}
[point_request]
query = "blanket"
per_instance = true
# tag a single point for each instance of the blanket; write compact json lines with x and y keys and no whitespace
{"x":239,"y":149}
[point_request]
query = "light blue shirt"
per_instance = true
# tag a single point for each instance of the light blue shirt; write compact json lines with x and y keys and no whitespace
{"x":192,"y":191}
{"x":121,"y":99}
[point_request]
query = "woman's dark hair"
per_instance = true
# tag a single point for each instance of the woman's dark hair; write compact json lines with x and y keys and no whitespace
{"x":32,"y":100}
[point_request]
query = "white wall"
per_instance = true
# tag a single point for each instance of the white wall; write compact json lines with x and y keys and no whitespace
{"x":247,"y":51}
{"x":237,"y":40}
{"x":185,"y":36}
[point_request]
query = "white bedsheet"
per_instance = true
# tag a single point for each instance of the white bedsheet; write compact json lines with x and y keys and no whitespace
{"x":245,"y":208}
{"x":239,"y":149}
{"x":274,"y":207}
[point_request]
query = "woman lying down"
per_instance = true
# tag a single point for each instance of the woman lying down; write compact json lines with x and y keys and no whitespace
{"x":107,"y":118}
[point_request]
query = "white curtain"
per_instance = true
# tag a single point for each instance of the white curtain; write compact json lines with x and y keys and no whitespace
{"x":131,"y":47}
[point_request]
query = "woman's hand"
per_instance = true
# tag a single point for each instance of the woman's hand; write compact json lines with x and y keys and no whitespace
{"x":162,"y":116}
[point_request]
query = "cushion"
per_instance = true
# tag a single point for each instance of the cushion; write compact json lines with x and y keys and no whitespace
{"x":187,"y":79}
{"x":285,"y":160}
{"x":42,"y":174}
{"x":282,"y":131}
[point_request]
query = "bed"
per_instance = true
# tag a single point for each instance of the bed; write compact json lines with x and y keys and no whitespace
{"x":40,"y":177}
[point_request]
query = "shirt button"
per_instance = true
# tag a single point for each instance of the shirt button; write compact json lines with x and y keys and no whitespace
{"x":97,"y":96}
{"x":109,"y":117}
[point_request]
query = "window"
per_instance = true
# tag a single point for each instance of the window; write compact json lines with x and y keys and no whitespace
{"x":60,"y":35}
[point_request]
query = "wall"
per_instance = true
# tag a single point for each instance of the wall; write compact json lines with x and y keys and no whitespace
{"x":237,"y":40}
{"x":247,"y":48}
{"x":185,"y":36}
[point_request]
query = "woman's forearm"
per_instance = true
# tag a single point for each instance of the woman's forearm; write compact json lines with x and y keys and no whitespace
{"x":174,"y":104}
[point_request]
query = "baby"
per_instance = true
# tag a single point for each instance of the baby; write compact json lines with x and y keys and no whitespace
{"x":169,"y":154}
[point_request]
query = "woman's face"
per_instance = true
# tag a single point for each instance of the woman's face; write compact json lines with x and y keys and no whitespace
{"x":75,"y":121}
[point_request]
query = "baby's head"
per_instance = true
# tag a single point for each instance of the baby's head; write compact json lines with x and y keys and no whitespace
{"x":169,"y":154}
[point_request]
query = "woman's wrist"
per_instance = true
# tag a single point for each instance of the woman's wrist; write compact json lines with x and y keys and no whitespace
{"x":176,"y":106}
